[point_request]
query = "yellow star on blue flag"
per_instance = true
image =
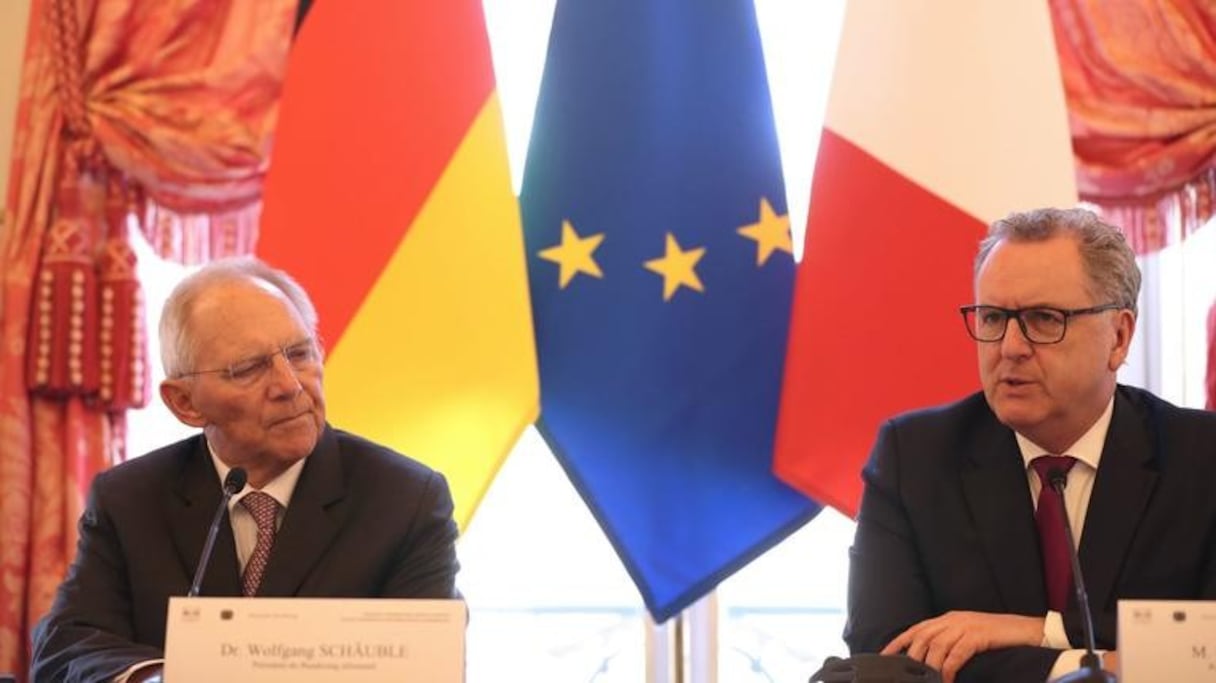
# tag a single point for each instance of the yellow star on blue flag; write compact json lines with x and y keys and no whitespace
{"x":678,"y":268}
{"x":574,"y":255}
{"x":771,"y":232}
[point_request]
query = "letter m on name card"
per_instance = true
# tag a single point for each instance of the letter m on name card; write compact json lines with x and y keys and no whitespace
{"x":305,"y":640}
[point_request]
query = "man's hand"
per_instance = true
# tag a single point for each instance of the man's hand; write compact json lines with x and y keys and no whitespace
{"x":1110,"y":661}
{"x":947,"y":642}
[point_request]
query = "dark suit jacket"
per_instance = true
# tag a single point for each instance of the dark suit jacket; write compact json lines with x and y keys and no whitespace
{"x":947,"y":523}
{"x":363,"y":522}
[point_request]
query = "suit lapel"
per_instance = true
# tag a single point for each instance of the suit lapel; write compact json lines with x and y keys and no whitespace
{"x":997,"y":494}
{"x":1125,"y":481}
{"x":196,"y":495}
{"x":310,"y":523}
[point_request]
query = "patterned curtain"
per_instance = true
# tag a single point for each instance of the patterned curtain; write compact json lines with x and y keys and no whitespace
{"x":1140,"y":80}
{"x":130,"y":113}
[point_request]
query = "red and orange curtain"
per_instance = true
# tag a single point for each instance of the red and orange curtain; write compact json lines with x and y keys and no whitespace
{"x":130,"y":112}
{"x":1140,"y":80}
{"x":1142,"y":109}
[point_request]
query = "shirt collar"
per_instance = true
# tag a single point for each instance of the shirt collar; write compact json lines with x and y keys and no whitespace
{"x":280,"y":488}
{"x":1087,"y":449}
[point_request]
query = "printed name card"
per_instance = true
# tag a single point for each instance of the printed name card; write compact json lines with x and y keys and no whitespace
{"x":265,"y":640}
{"x":1167,"y":640}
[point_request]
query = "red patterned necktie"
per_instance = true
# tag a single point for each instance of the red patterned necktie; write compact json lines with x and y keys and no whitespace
{"x":264,"y":509}
{"x":1053,"y":540}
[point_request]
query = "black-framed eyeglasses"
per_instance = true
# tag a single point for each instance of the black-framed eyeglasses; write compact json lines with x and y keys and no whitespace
{"x":1039,"y":324}
{"x":301,"y":355}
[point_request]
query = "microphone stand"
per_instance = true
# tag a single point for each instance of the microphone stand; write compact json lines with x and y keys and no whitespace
{"x":235,"y":481}
{"x":1091,"y":670}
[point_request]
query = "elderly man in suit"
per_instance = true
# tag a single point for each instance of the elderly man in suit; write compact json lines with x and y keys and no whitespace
{"x":324,"y":512}
{"x":960,"y":558}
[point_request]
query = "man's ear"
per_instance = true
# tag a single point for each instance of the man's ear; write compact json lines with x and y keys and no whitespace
{"x":177,"y":396}
{"x":1125,"y":328}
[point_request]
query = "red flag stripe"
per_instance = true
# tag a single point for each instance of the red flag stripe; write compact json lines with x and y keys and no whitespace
{"x":353,"y":163}
{"x":868,"y":338}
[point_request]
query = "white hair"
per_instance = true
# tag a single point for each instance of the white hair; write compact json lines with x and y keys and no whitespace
{"x":177,"y":346}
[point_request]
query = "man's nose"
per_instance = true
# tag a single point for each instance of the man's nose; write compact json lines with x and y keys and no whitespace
{"x":283,"y":378}
{"x":1015,"y":344}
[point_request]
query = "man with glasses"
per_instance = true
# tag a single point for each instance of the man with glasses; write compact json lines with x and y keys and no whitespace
{"x":324,"y":513}
{"x":959,"y":557}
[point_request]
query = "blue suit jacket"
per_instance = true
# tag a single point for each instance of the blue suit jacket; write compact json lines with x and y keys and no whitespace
{"x":363,"y":522}
{"x":947,"y":523}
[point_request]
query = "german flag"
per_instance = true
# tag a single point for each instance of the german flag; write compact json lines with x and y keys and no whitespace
{"x":389,"y":198}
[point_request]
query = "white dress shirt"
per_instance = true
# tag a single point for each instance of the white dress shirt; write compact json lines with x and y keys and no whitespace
{"x":1088,"y":452}
{"x":244,"y":529}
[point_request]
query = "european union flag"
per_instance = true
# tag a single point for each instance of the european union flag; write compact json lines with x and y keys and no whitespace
{"x":661,"y":274}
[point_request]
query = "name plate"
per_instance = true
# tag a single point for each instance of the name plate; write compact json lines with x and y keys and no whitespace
{"x":298,"y":640}
{"x":1167,"y":640}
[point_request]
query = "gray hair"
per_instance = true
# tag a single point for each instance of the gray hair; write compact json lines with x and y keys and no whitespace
{"x":1105,"y":254}
{"x":178,"y":348}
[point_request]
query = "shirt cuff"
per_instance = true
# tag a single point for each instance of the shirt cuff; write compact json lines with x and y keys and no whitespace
{"x":1054,"y":635}
{"x":126,"y":675}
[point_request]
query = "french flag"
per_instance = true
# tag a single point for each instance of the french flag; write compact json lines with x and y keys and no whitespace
{"x":943,"y":116}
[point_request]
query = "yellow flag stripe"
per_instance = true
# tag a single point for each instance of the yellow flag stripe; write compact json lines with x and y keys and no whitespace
{"x":439,"y":361}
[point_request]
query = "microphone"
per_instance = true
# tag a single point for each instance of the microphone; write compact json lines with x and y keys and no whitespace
{"x":1091,"y":670}
{"x":235,"y":481}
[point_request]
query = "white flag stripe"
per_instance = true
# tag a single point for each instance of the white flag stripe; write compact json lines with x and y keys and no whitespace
{"x":962,"y":97}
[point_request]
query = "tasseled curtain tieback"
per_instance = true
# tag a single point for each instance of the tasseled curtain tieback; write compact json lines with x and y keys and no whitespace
{"x":87,"y":332}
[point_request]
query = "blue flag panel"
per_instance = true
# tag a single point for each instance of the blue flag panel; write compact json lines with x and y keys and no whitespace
{"x":661,"y":275}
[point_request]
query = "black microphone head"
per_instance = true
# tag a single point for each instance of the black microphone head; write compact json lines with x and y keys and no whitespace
{"x":875,"y":668}
{"x":1088,"y":673}
{"x":235,"y":481}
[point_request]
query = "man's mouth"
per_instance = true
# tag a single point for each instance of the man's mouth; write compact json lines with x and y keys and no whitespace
{"x":289,"y":418}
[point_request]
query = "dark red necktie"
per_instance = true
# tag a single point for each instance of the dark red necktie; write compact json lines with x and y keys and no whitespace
{"x":1053,"y":540}
{"x":264,"y":509}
